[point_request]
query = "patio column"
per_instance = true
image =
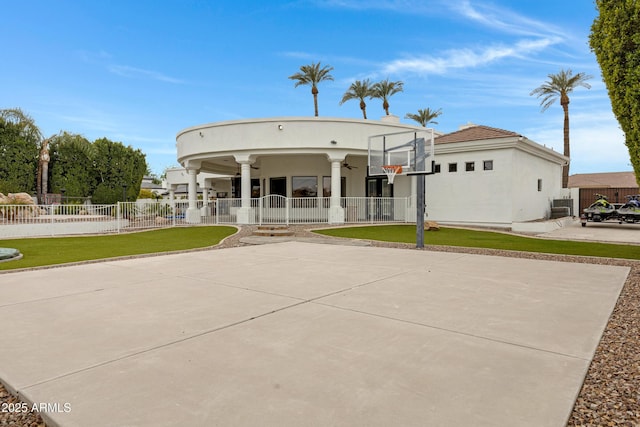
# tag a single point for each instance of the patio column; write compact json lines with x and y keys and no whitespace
{"x":245,"y":213}
{"x":336,"y":212}
{"x":205,"y":201}
{"x":172,"y":202}
{"x":193,"y":214}
{"x":245,"y":184}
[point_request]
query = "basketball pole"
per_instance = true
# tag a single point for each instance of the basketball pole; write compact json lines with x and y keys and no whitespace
{"x":420,"y":190}
{"x":419,"y":147}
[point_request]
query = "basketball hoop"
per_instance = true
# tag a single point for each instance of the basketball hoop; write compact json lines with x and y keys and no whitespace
{"x":391,"y":171}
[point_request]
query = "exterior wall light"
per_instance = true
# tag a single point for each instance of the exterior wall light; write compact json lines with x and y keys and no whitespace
{"x":280,"y":127}
{"x":334,"y":142}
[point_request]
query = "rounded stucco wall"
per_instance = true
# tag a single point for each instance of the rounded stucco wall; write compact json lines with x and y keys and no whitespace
{"x":284,"y":135}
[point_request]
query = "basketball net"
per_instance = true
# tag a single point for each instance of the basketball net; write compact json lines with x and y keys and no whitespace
{"x":392,"y":171}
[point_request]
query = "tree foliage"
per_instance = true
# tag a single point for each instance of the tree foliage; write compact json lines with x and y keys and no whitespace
{"x":119,"y":170}
{"x":615,"y":40}
{"x":23,"y":121}
{"x":384,"y":89}
{"x":425,"y":116}
{"x":102,"y":170}
{"x":19,"y":141}
{"x":71,"y":165}
{"x":312,"y":75}
{"x":359,"y":90}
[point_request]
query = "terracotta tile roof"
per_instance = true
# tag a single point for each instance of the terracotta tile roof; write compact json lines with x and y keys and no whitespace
{"x":603,"y":180}
{"x":475,"y":133}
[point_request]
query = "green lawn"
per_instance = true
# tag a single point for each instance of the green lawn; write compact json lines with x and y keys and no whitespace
{"x":485,"y":239}
{"x":60,"y":250}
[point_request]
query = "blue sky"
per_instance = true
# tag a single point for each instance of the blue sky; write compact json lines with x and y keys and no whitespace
{"x":140,"y":71}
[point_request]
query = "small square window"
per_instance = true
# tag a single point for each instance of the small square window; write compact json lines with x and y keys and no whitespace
{"x":453,"y":167}
{"x":470,"y":166}
{"x":487,"y":165}
{"x":436,"y":169}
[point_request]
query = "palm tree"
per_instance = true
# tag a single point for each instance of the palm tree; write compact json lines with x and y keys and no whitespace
{"x":424,"y":117}
{"x":384,"y":90}
{"x":24,"y":122}
{"x":312,"y":75}
{"x":359,"y":90}
{"x":560,"y":86}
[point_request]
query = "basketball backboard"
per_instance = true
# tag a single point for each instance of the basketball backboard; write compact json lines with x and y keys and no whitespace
{"x":412,"y":150}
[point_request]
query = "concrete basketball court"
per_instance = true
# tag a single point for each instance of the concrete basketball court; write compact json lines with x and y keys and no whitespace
{"x":295,"y":333}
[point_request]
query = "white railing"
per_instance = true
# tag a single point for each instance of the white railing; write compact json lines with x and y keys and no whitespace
{"x":275,"y":209}
{"x":50,"y":220}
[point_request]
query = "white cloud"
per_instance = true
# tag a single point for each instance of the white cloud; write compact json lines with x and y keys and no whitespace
{"x":467,"y":58}
{"x":503,"y":20}
{"x":132,"y":72}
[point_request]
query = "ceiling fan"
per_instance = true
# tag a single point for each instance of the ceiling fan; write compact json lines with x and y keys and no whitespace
{"x":348,"y":166}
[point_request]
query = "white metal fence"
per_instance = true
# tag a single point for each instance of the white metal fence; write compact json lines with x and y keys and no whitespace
{"x":274,"y":209}
{"x":50,"y":220}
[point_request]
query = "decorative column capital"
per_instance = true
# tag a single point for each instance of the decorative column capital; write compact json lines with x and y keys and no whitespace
{"x":245,"y":159}
{"x":336,"y":156}
{"x":193,"y":165}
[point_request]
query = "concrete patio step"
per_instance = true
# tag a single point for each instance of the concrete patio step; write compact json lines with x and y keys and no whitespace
{"x":273,"y":231}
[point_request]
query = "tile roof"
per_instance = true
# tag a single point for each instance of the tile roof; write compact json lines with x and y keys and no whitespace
{"x":475,"y":133}
{"x":603,"y":180}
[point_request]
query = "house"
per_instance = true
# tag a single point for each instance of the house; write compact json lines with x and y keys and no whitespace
{"x":148,"y":183}
{"x":492,"y":177}
{"x":483,"y":175}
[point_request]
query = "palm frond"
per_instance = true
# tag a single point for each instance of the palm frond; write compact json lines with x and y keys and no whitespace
{"x":424,"y":116}
{"x":560,"y":85}
{"x":358,"y":90}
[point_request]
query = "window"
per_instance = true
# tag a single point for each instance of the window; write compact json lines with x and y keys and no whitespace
{"x":326,"y":186}
{"x":453,"y":167}
{"x":436,"y":169}
{"x":278,"y":186}
{"x":236,"y":188}
{"x":304,"y":186}
{"x":470,"y":166}
{"x":539,"y":185}
{"x":487,"y":165}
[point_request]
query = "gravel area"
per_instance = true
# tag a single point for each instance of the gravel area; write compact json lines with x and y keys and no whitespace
{"x":610,"y":395}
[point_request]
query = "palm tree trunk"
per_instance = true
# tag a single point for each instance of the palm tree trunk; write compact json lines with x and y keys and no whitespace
{"x":567,"y":151}
{"x":314,"y":91}
{"x":315,"y":103}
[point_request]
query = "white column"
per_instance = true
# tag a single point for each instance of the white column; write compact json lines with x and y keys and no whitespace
{"x":205,"y":202}
{"x":336,"y":188}
{"x":245,"y":184}
{"x":193,"y":214}
{"x":336,"y":212}
{"x":172,"y":202}
{"x":245,"y":214}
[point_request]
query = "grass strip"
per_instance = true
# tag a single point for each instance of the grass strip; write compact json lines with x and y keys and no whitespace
{"x":38,"y":252}
{"x":485,"y":239}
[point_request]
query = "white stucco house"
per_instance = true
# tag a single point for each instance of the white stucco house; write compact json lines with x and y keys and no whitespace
{"x":484,"y":176}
